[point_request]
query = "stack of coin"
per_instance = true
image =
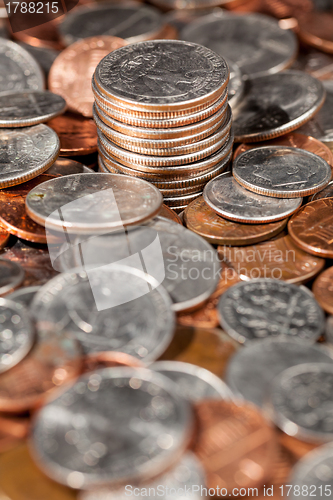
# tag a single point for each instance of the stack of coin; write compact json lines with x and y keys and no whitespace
{"x":162,"y":113}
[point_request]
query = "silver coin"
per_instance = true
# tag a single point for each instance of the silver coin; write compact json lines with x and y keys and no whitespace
{"x":276,"y":104}
{"x":113,"y":426}
{"x":264,"y":307}
{"x":24,"y":295}
{"x":301,"y":402}
{"x":110,"y":308}
{"x":26,"y":152}
{"x":11,"y":275}
{"x":281,"y":171}
{"x":327,"y":192}
{"x":184,"y":16}
{"x":26,"y":108}
{"x":187,"y":475}
{"x":94,"y":203}
{"x":16,"y":334}
{"x":19,"y":70}
{"x":228,"y":198}
{"x":193,"y":382}
{"x":252,"y":370}
{"x":44,"y":56}
{"x":66,"y":166}
{"x":236,"y":85}
{"x":162,"y":75}
{"x":329,"y":330}
{"x":255,"y":42}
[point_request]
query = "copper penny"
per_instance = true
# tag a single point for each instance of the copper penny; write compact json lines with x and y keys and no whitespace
{"x":4,"y":235}
{"x":312,"y":228}
{"x":169,"y":214}
{"x":13,"y":430}
{"x":281,"y":470}
{"x":279,"y":258}
{"x":201,"y":219}
{"x":78,"y":135}
{"x":109,"y":359}
{"x":45,"y":35}
{"x":234,"y":443}
{"x":295,"y":140}
{"x":316,"y":29}
{"x":295,"y":446}
{"x":323,"y":290}
{"x":71,"y":73}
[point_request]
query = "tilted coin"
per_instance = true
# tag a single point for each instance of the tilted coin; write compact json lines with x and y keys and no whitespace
{"x":193,"y":382}
{"x":311,"y":228}
{"x":323,"y":290}
{"x":30,"y":107}
{"x":4,"y":236}
{"x":231,"y":200}
{"x":24,"y":295}
{"x":263,"y":307}
{"x":108,"y":309}
{"x":43,"y":55}
{"x":327,"y":192}
{"x":175,"y":201}
{"x":251,"y":371}
{"x":19,"y":70}
{"x":255,"y":42}
{"x":92,"y":203}
{"x":11,"y":276}
{"x":281,"y":172}
{"x":118,"y":410}
{"x":167,"y":213}
{"x":45,"y":35}
{"x":236,"y":85}
{"x":276,"y":104}
{"x":315,"y":62}
{"x":201,"y":219}
{"x":16,"y":334}
{"x":315,"y":29}
{"x":26,"y":152}
{"x":77,"y":135}
{"x":192,"y":76}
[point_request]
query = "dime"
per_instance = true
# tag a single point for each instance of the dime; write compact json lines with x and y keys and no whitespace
{"x":251,"y":371}
{"x":311,"y":228}
{"x":114,"y":201}
{"x":261,"y":308}
{"x":120,"y":399}
{"x":43,"y":55}
{"x":327,"y":192}
{"x":26,"y":153}
{"x":236,"y":85}
{"x":131,"y":314}
{"x":255,"y":42}
{"x":281,"y":172}
{"x":193,"y":382}
{"x":11,"y":276}
{"x":323,"y":290}
{"x":77,"y":135}
{"x":193,"y":76}
{"x":278,"y":258}
{"x":276,"y":104}
{"x":315,"y":29}
{"x":291,"y":402}
{"x":232,"y":201}
{"x":24,"y":295}
{"x":71,"y":72}
{"x":19,"y":69}
{"x":4,"y":235}
{"x":109,"y":359}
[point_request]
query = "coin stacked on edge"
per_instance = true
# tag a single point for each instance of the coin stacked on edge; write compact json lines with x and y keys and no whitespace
{"x":161,"y":108}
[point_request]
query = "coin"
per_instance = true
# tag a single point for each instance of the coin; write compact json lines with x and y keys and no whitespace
{"x":311,"y":228}
{"x":119,"y":398}
{"x":4,"y":236}
{"x":255,"y":42}
{"x":262,"y":307}
{"x":24,"y":295}
{"x":67,"y":166}
{"x":167,"y":213}
{"x":196,"y":4}
{"x":274,"y":105}
{"x":26,"y":153}
{"x":281,"y":171}
{"x":279,"y":258}
{"x":315,"y":29}
{"x":314,"y":62}
{"x":71,"y":72}
{"x":44,"y":56}
{"x":236,"y":85}
{"x":19,"y":69}
{"x":193,"y":76}
{"x":323,"y":290}
{"x":11,"y":276}
{"x":193,"y":383}
{"x":114,"y":201}
{"x":13,"y":431}
{"x":109,"y":359}
{"x":46,"y":35}
{"x":329,"y":330}
{"x":231,"y":440}
{"x":132,"y":314}
{"x":251,"y":371}
{"x":77,"y":135}
{"x":327,"y":192}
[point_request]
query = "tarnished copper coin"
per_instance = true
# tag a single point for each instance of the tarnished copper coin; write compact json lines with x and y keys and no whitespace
{"x":45,"y":35}
{"x":168,"y":213}
{"x":323,"y":290}
{"x":109,"y":359}
{"x":235,"y":444}
{"x":78,"y":135}
{"x":312,"y":228}
{"x":316,"y":29}
{"x":4,"y":235}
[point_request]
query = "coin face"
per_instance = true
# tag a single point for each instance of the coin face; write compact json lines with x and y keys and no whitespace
{"x":281,"y":171}
{"x":21,"y":109}
{"x":137,"y":321}
{"x":276,"y":104}
{"x":255,"y":42}
{"x":232,"y":201}
{"x":77,"y":135}
{"x":19,"y":69}
{"x":327,"y":192}
{"x":119,"y":401}
{"x":251,"y":371}
{"x":114,"y":201}
{"x":268,"y":307}
{"x":26,"y":153}
{"x":323,"y":290}
{"x":24,"y":295}
{"x":11,"y":275}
